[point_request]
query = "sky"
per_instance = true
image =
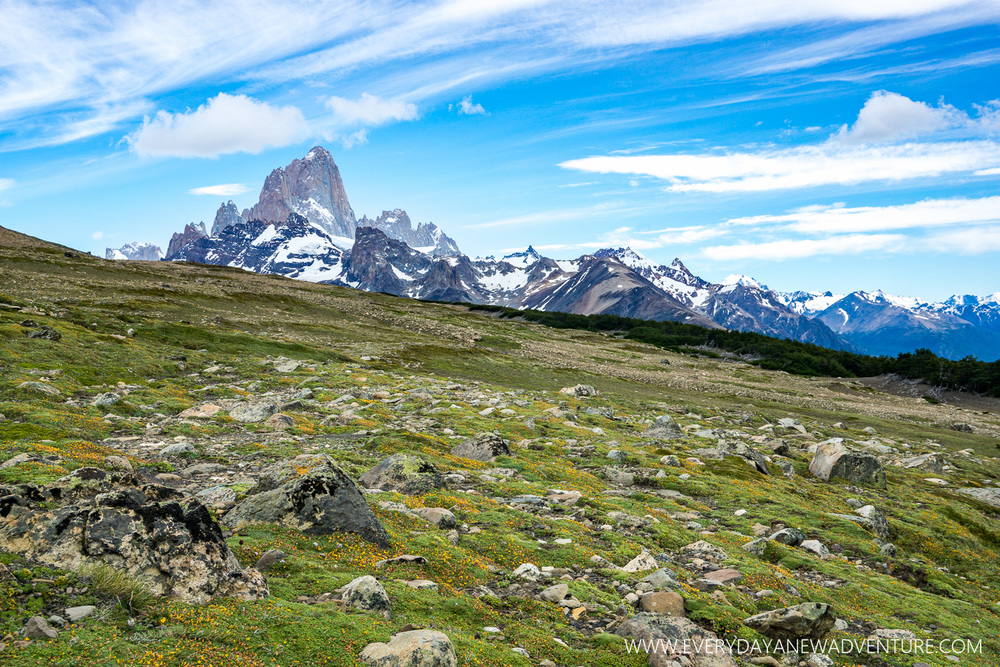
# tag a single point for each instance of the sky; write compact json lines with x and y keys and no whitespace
{"x":822,"y":145}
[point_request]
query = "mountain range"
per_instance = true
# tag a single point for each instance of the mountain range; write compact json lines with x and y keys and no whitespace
{"x":303,"y":227}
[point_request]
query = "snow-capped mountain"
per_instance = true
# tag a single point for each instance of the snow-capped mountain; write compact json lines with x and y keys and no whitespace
{"x":135,"y":251}
{"x":304,"y":227}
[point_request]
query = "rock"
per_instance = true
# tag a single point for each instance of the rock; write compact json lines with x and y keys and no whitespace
{"x":793,"y":424}
{"x":217,"y":495}
{"x":555,"y":593}
{"x":811,"y":620}
{"x":789,"y":536}
{"x":253,"y":412}
{"x":44,"y":333}
{"x":820,"y":660}
{"x":662,"y":578}
{"x":416,"y":648}
{"x":664,"y":428}
{"x":724,"y":576}
{"x":176,"y":449}
{"x":961,"y":427}
{"x":438,"y":516}
{"x":18,"y":459}
{"x":617,"y":455}
{"x":834,"y":461}
{"x":39,"y":388}
{"x":106,"y":400}
{"x":483,"y":447}
{"x":203,"y":469}
{"x":528,"y":571}
{"x":664,"y":602}
{"x":879,"y":524}
{"x":816,"y":547}
{"x":989,"y":496}
{"x":580,"y":391}
{"x":279,"y":421}
{"x":888,"y":549}
{"x":206,"y":411}
{"x":38,"y":628}
{"x":756,"y":547}
{"x":77,"y":614}
{"x":670,"y":460}
{"x":169,"y":543}
{"x":929,"y":462}
{"x":321,"y":501}
{"x":422,"y":584}
{"x":268,"y":559}
{"x":697,"y":647}
{"x":118,"y":463}
{"x":367,"y":594}
{"x":404,"y":473}
{"x":644,"y":561}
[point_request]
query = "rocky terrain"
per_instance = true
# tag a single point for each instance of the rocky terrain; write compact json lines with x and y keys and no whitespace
{"x":200,"y":465}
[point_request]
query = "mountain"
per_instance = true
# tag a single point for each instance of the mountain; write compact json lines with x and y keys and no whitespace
{"x":880,"y":324}
{"x":738,"y":302}
{"x":135,"y":251}
{"x":312,"y":188}
{"x":304,"y":227}
{"x":426,"y":237}
{"x":192,"y":232}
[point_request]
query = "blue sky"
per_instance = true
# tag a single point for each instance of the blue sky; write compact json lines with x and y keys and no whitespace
{"x":818,"y":145}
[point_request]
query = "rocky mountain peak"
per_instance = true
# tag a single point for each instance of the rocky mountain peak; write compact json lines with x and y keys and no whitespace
{"x":311,"y":187}
{"x":227,"y":216}
{"x":192,"y":232}
{"x":426,"y":237}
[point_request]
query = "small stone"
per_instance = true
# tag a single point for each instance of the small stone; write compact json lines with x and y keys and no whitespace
{"x":816,"y":547}
{"x":77,"y":614}
{"x":528,"y":571}
{"x":270,"y":557}
{"x":118,"y":462}
{"x":437,"y":516}
{"x":644,"y":561}
{"x":555,"y":593}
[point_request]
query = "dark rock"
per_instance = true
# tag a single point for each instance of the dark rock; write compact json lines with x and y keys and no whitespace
{"x":321,"y":501}
{"x":664,"y":428}
{"x":45,"y":333}
{"x":811,"y":620}
{"x":38,"y":628}
{"x":696,"y":647}
{"x":834,"y":461}
{"x":789,"y":536}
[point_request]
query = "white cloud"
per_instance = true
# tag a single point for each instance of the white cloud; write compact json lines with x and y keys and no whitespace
{"x":468,"y":108}
{"x":6,"y":183}
{"x":798,"y":248}
{"x":355,"y":139}
{"x":224,"y":124}
{"x":97,"y":236}
{"x":829,"y":163}
{"x":369,"y":110}
{"x":839,"y":219}
{"x":970,"y":241}
{"x":222,"y":190}
{"x":890,"y":116}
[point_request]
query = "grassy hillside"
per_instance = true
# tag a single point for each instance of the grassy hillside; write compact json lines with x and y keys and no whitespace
{"x":422,"y":377}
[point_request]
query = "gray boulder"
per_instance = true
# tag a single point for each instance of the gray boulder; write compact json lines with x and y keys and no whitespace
{"x":403,"y":473}
{"x":253,"y":412}
{"x":988,"y":496}
{"x":38,"y":628}
{"x":106,"y":400}
{"x":39,"y":388}
{"x":834,"y":461}
{"x":416,"y":648}
{"x":483,"y":447}
{"x":321,"y":501}
{"x":367,"y":594}
{"x":169,"y":543}
{"x":664,"y":428}
{"x":789,"y":536}
{"x":879,"y":524}
{"x":811,"y":620}
{"x":696,"y":647}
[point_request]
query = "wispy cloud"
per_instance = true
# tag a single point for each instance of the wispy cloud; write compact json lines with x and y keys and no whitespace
{"x":850,"y":244}
{"x":224,"y":124}
{"x":221,"y":190}
{"x":6,"y":183}
{"x":922,"y":214}
{"x":369,"y":110}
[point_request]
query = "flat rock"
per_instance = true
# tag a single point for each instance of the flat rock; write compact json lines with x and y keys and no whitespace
{"x":662,"y":602}
{"x":253,"y":412}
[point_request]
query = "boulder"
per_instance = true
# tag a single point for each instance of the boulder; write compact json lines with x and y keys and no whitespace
{"x":664,"y":428}
{"x":403,"y":473}
{"x":322,"y":500}
{"x":39,"y":388}
{"x":816,"y":547}
{"x":663,"y":602}
{"x":106,"y":400}
{"x":416,"y":648}
{"x":644,"y":561}
{"x":695,"y":646}
{"x":77,"y":614}
{"x":879,"y":524}
{"x":367,"y":594}
{"x":580,"y":391}
{"x":834,"y":461}
{"x":253,"y":412}
{"x":205,"y":411}
{"x":811,"y":620}
{"x":38,"y":628}
{"x":662,"y":578}
{"x":789,"y":536}
{"x":171,"y":544}
{"x":483,"y":447}
{"x":438,"y":516}
{"x":555,"y":593}
{"x":989,"y":496}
